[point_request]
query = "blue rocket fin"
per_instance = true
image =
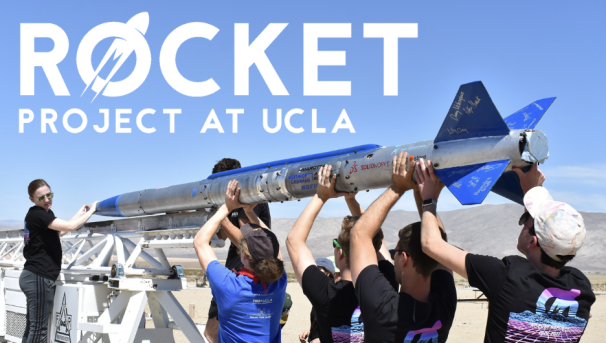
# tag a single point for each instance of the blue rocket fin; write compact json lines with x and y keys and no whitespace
{"x":529,"y":116}
{"x":471,"y":184}
{"x":509,"y":187}
{"x":472,"y":114}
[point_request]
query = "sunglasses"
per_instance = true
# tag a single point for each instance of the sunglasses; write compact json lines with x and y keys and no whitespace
{"x":393,"y":252}
{"x":524,"y":218}
{"x":335,"y":244}
{"x":49,"y":196}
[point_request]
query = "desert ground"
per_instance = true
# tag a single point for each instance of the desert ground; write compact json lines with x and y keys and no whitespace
{"x":469,"y":323}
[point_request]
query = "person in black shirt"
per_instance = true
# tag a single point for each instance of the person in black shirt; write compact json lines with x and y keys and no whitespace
{"x":335,"y":304}
{"x":229,"y":229}
{"x":42,"y":252}
{"x":424,"y":309}
{"x":531,"y":299}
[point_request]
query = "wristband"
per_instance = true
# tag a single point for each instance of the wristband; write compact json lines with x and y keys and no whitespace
{"x":429,"y":202}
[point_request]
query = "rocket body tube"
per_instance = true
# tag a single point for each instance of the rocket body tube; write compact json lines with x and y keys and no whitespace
{"x":358,"y":168}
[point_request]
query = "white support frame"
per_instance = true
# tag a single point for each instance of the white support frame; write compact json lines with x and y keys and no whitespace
{"x":82,"y":258}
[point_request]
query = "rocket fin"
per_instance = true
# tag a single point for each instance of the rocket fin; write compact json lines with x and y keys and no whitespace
{"x":471,"y":184}
{"x":509,"y":187}
{"x":529,"y":116}
{"x":472,"y":114}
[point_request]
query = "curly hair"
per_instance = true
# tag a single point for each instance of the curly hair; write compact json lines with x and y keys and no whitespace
{"x":226,"y":164}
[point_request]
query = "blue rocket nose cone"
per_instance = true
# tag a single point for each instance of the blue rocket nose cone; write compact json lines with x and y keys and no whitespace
{"x":109,"y":207}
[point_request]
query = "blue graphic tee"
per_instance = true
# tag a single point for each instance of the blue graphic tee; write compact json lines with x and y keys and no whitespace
{"x":247,"y":313}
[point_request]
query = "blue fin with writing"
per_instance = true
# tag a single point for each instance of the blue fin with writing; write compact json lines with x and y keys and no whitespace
{"x":472,"y":114}
{"x":509,"y":187}
{"x":529,"y":116}
{"x":471,"y":184}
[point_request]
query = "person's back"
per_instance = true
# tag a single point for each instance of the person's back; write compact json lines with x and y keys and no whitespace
{"x":528,"y":304}
{"x":532,"y":299}
{"x":390,"y":316}
{"x":425,"y":306}
{"x":250,"y":301}
{"x":335,"y":304}
{"x":248,"y":312}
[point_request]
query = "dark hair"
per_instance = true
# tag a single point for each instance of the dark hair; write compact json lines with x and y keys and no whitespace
{"x":226,"y":164}
{"x":268,"y":270}
{"x":34,"y":185}
{"x":344,"y":237}
{"x":410,"y":241}
{"x":324,"y":270}
{"x":546,"y":259}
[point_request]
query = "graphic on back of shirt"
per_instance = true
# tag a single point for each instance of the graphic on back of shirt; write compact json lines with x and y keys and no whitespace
{"x":428,"y":335}
{"x":25,"y":233}
{"x":350,"y":333}
{"x":555,"y":319}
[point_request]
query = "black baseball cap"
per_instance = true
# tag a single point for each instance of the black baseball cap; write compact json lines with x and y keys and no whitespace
{"x":262,"y":243}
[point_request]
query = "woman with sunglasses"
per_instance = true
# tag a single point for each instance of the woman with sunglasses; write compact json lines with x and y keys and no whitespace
{"x":42,"y":252}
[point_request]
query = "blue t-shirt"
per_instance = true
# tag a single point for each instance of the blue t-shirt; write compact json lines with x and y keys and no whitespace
{"x":246,"y":312}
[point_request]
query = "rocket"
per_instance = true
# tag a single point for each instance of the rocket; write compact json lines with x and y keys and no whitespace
{"x":472,"y":154}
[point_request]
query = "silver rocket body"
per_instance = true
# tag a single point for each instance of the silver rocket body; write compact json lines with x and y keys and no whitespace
{"x":470,"y":165}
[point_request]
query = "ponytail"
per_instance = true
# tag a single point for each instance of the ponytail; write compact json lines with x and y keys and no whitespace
{"x":269,"y":270}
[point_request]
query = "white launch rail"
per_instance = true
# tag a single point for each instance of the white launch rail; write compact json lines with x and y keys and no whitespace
{"x":101,"y":292}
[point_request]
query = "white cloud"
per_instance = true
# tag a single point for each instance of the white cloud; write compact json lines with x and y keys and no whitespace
{"x":594,"y":175}
{"x":581,"y":201}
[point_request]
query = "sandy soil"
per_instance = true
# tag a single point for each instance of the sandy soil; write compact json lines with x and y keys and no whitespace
{"x":469,"y":323}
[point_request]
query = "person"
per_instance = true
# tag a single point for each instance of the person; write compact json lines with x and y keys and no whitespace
{"x":425,"y":306}
{"x":334,"y":303}
{"x":229,"y":229}
{"x":337,"y":274}
{"x":327,"y":266}
{"x":532,"y":299}
{"x":250,"y":301}
{"x":42,"y":252}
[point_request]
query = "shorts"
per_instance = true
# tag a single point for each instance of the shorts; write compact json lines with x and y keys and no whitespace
{"x":213,"y":311}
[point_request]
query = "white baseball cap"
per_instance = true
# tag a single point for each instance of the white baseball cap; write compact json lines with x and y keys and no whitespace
{"x":559,"y":228}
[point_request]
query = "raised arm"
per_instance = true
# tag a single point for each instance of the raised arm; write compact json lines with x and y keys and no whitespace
{"x":533,"y":178}
{"x":252,"y":216}
{"x":431,"y":239}
{"x":202,"y":240}
{"x":362,"y":251}
{"x":81,"y":217}
{"x":300,"y":255}
{"x":355,"y":208}
{"x":419,"y":203}
{"x":230,"y":231}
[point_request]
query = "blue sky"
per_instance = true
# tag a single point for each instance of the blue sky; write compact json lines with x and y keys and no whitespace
{"x":521,"y":50}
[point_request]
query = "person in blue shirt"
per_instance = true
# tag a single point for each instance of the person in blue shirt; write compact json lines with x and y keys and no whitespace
{"x":250,"y":301}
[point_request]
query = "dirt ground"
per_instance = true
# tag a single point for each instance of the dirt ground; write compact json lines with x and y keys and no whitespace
{"x":469,"y":323}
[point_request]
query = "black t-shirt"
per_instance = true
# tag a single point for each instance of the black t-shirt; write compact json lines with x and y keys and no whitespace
{"x":335,"y":304}
{"x":397,"y":317}
{"x":313,"y":328}
{"x":233,"y":256}
{"x":527,"y":304}
{"x":42,"y":249}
